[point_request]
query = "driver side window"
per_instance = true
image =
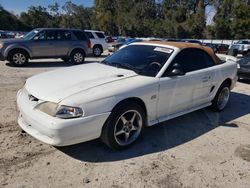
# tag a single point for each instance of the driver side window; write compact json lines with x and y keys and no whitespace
{"x":40,"y":36}
{"x":190,"y":59}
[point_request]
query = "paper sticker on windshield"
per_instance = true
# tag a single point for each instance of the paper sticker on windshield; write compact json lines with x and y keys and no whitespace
{"x":161,"y":49}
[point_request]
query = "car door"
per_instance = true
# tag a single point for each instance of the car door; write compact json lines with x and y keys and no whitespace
{"x":63,"y":42}
{"x":182,"y":92}
{"x":43,"y":44}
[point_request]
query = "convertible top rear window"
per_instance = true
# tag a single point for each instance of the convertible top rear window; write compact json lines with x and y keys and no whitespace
{"x":146,"y":60}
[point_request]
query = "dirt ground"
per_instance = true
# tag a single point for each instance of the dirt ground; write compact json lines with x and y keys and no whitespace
{"x":200,"y":149}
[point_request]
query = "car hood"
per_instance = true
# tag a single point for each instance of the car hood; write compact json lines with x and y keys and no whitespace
{"x":10,"y":41}
{"x":56,"y":85}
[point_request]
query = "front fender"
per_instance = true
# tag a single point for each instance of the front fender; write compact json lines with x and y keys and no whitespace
{"x":15,"y":46}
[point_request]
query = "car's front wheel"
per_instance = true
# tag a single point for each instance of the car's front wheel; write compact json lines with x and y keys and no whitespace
{"x":77,"y":57}
{"x":18,"y":58}
{"x":222,"y":97}
{"x":124,"y":126}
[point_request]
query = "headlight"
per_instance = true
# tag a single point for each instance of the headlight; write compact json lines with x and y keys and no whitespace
{"x":1,"y":45}
{"x":64,"y":112}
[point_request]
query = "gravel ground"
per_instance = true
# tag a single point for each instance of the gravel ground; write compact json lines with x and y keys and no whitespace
{"x":200,"y":149}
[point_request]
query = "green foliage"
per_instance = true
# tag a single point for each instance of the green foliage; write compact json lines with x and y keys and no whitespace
{"x":142,"y":18}
{"x":9,"y":21}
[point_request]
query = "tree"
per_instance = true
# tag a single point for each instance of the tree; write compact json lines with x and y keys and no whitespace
{"x":241,"y":19}
{"x":37,"y":17}
{"x":223,"y":19}
{"x":105,"y":16}
{"x":9,"y":21}
{"x":75,"y":16}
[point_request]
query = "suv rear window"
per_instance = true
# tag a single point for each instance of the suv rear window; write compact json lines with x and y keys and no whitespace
{"x":100,"y":35}
{"x":80,"y":35}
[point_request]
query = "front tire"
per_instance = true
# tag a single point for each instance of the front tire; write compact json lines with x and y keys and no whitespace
{"x":221,"y":98}
{"x":124,"y":126}
{"x":77,"y":57}
{"x":18,"y":58}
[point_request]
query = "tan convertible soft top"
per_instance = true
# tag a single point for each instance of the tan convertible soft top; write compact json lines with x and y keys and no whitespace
{"x":183,"y":45}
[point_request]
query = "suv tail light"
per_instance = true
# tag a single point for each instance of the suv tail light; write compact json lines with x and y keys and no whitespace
{"x":89,"y":43}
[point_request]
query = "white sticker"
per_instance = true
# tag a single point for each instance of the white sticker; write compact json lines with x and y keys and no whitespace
{"x":165,"y":50}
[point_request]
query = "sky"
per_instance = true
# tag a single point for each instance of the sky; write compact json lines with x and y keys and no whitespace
{"x":19,"y":6}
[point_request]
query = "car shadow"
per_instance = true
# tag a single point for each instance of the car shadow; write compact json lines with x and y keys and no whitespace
{"x":48,"y":64}
{"x":165,"y":135}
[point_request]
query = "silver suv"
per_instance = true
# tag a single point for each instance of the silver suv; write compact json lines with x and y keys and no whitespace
{"x":67,"y":44}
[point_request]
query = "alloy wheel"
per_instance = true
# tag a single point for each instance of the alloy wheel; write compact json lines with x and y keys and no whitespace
{"x":128,"y":127}
{"x":19,"y":58}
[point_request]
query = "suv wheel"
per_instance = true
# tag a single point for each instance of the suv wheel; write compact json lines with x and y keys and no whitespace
{"x":97,"y":51}
{"x":124,"y":126}
{"x":18,"y":58}
{"x":77,"y":57}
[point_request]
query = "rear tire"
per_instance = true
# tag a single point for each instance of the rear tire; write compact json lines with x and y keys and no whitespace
{"x":97,"y":51}
{"x":124,"y":126}
{"x":221,"y":98}
{"x":77,"y":57}
{"x":18,"y":58}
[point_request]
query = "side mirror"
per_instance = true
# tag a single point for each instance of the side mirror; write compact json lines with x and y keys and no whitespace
{"x":176,"y":70}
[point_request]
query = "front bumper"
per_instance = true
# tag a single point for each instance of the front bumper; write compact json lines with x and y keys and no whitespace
{"x":56,"y":131}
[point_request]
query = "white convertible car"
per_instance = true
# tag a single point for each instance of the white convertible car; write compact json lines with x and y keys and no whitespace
{"x":140,"y":85}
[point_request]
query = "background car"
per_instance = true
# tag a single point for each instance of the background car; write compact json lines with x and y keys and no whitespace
{"x":98,"y":42}
{"x":67,"y":44}
{"x":222,"y":48}
{"x":3,"y":35}
{"x":113,"y":47}
{"x":241,"y":47}
{"x":109,"y":39}
{"x":244,"y":68}
{"x":191,"y":41}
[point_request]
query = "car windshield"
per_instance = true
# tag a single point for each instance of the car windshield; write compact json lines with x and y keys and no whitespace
{"x":30,"y":34}
{"x":143,"y":59}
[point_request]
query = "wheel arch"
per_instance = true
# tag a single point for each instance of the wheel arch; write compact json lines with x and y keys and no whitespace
{"x":8,"y":53}
{"x":136,"y":100}
{"x":98,"y":45}
{"x":77,"y":48}
{"x":227,"y":81}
